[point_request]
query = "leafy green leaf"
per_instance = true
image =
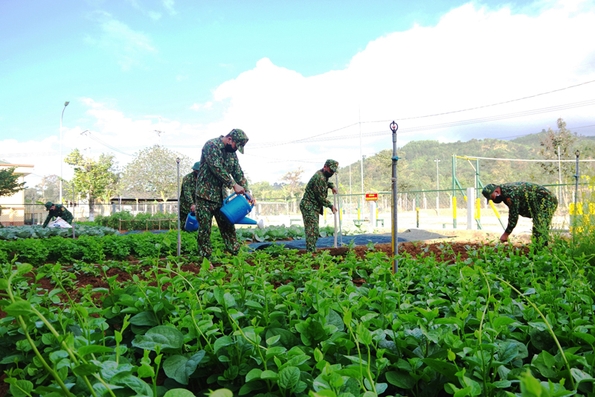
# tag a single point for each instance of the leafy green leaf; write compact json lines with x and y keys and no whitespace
{"x":182,"y":393}
{"x":161,"y":337}
{"x":180,"y":368}
{"x":146,"y":318}
{"x":19,"y":308}
{"x":289,"y":377}
{"x":400,"y":379}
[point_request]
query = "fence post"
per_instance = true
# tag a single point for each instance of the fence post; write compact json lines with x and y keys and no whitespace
{"x":470,"y":207}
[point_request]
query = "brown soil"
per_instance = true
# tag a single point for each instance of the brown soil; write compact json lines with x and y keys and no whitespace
{"x":446,"y":250}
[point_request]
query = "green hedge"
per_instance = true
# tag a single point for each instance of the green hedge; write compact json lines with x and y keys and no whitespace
{"x":142,"y":221}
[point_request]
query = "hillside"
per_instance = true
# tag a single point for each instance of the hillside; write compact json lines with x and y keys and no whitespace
{"x":417,"y":167}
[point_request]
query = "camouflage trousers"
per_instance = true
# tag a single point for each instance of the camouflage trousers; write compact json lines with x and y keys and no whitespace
{"x":542,"y":219}
{"x":311,"y":227}
{"x":205,"y":211}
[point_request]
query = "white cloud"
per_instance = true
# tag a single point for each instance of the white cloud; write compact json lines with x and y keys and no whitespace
{"x":200,"y":106}
{"x":128,"y":46}
{"x":169,"y":6}
{"x":472,"y":58}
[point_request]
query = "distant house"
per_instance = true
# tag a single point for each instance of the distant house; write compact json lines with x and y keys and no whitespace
{"x":13,"y":207}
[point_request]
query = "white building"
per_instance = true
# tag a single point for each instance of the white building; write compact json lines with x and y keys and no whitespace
{"x":13,"y":207}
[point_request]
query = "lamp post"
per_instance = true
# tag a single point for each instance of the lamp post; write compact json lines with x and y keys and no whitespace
{"x":61,"y":117}
{"x":437,"y":186}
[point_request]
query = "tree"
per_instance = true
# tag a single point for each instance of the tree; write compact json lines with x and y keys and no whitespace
{"x":293,"y":186}
{"x":92,"y":178}
{"x":558,"y":145}
{"x":9,"y":182}
{"x":153,"y":174}
{"x":49,"y":188}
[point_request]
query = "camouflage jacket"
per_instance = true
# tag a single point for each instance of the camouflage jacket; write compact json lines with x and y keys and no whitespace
{"x":187,"y":192}
{"x":526,"y":199}
{"x":218,"y":170}
{"x":316,"y":193}
{"x":61,"y":212}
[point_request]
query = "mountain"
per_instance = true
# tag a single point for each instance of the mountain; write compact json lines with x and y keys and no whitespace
{"x":487,"y":159}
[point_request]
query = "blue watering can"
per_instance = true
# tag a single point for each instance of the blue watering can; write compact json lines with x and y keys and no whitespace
{"x":191,"y":224}
{"x":236,"y":207}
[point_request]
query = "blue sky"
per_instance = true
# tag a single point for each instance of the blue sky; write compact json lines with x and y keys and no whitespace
{"x":306,"y":80}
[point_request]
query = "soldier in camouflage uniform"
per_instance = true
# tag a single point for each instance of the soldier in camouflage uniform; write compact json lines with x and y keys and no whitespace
{"x":528,"y":200}
{"x":315,"y":199}
{"x":57,"y":210}
{"x":219,"y":169}
{"x":187,"y":192}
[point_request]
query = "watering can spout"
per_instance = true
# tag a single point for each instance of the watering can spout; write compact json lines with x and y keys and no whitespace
{"x":248,"y":221}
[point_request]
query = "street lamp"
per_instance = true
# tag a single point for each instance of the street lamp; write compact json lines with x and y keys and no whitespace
{"x":61,"y":117}
{"x":437,"y":186}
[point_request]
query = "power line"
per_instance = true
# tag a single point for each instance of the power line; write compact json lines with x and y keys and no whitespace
{"x":284,"y":160}
{"x":494,"y":104}
{"x":454,"y":123}
{"x":96,"y":139}
{"x":552,"y":108}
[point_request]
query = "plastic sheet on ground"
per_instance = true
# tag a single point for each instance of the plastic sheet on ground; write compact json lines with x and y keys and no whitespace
{"x":59,"y":222}
{"x":358,"y":239}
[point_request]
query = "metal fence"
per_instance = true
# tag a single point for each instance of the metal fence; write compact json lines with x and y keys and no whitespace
{"x":432,"y":209}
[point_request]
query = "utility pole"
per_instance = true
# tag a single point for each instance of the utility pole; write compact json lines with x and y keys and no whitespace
{"x":61,"y":160}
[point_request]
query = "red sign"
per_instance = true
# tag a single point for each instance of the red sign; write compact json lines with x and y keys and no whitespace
{"x":371,"y":196}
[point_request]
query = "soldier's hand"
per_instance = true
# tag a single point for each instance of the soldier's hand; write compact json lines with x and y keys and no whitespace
{"x":334,"y":209}
{"x":504,"y":237}
{"x":334,"y":190}
{"x":238,"y":189}
{"x":250,"y":198}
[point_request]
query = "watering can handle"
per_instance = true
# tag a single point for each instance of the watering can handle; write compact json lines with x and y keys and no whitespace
{"x":248,"y":197}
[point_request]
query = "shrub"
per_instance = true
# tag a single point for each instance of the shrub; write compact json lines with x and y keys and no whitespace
{"x":31,"y":251}
{"x":92,"y":248}
{"x":64,"y":250}
{"x":120,"y":220}
{"x":116,"y":247}
{"x":146,"y":245}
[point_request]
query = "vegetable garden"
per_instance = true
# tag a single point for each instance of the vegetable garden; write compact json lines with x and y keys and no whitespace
{"x":122,"y":315}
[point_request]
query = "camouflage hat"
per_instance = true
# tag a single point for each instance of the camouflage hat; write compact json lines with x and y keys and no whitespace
{"x":332,"y":164}
{"x":240,"y":138}
{"x":196,"y":165}
{"x":488,"y":190}
{"x":48,"y":205}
